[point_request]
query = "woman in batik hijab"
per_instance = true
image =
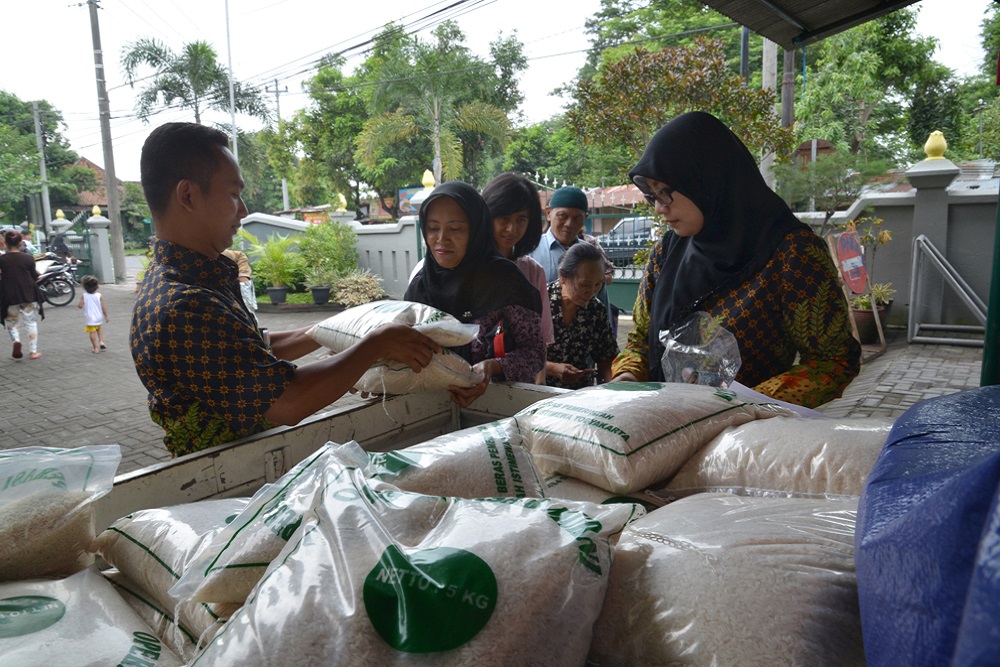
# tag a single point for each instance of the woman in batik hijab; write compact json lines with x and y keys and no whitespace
{"x":466,"y":277}
{"x":733,"y":249}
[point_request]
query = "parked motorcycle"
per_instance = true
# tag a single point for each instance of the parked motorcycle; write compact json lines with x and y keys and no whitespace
{"x":56,"y":281}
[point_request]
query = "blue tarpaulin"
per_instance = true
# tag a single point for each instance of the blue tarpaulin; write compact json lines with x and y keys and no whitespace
{"x":928,"y":536}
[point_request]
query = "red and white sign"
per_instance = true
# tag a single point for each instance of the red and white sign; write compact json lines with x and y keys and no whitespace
{"x":852,"y":262}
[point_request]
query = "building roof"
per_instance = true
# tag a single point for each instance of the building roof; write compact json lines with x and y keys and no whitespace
{"x":98,"y":195}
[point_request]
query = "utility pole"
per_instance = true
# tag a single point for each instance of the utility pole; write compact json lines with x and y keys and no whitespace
{"x":769,"y":81}
{"x":47,"y":208}
{"x":277,"y":105}
{"x":232,"y":90}
{"x":110,"y":181}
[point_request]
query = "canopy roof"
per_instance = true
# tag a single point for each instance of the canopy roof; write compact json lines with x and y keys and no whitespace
{"x":795,"y":23}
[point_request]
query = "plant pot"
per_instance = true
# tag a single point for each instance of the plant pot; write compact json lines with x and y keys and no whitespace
{"x":277,"y":294}
{"x":865,"y":321}
{"x":321,"y":295}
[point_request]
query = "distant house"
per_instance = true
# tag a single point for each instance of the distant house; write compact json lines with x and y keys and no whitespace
{"x":98,"y":196}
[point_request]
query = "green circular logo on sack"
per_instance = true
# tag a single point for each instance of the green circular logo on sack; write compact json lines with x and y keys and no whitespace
{"x":632,"y":386}
{"x":429,"y":600}
{"x":25,"y":614}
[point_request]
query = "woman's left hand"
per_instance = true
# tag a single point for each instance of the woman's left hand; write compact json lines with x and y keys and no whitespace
{"x":464,"y":396}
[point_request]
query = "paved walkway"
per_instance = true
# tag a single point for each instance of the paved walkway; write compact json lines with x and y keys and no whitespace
{"x":71,"y":397}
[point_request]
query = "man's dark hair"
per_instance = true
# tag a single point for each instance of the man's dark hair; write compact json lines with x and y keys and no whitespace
{"x":577,"y":254}
{"x":509,"y":193}
{"x":176,"y":151}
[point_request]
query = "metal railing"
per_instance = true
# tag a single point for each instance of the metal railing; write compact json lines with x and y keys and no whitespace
{"x":924,"y":254}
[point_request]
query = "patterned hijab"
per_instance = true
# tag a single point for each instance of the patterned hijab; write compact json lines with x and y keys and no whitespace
{"x":745,"y":221}
{"x":484,"y":281}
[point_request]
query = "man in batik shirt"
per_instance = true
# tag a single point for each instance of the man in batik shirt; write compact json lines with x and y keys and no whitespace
{"x":210,"y":374}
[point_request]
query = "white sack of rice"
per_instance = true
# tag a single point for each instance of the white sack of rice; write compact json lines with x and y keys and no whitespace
{"x":478,"y":462}
{"x":339,"y":332}
{"x":785,"y":456}
{"x":80,"y":621}
{"x":731,"y":580}
{"x":627,"y":436}
{"x":486,"y":582}
{"x":152,"y":548}
{"x":567,"y":488}
{"x":185,"y":629}
{"x":234,"y":559}
{"x":46,"y":508}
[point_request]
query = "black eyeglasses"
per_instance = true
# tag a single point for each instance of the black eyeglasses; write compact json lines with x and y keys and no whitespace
{"x":665,"y":196}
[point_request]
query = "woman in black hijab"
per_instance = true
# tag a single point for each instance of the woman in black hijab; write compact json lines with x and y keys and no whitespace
{"x":465,"y":276}
{"x":734,"y":250}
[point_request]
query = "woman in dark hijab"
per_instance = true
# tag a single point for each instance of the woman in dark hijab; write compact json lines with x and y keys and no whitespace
{"x":466,"y":277}
{"x":734,"y":250}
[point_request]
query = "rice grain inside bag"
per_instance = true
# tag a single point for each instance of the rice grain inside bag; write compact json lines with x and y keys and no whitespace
{"x":339,"y":332}
{"x":627,"y":436}
{"x":479,"y":462}
{"x":731,"y":580}
{"x":80,"y":621}
{"x":484,"y":582}
{"x":785,"y":457}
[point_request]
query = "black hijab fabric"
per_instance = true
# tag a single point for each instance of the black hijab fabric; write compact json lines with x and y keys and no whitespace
{"x":745,"y":220}
{"x":484,"y":280}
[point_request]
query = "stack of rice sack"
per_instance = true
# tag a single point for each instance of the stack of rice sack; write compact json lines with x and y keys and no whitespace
{"x":762,"y":574}
{"x":372,"y":574}
{"x":54,"y":604}
{"x":339,"y":332}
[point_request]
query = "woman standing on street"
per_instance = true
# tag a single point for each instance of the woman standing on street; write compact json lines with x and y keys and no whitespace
{"x":736,"y":251}
{"x":20,"y":301}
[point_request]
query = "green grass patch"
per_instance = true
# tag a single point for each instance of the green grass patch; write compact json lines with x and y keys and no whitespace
{"x":293,"y":297}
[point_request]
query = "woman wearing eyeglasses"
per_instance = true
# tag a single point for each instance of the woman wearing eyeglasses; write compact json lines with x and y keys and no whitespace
{"x":735,"y":250}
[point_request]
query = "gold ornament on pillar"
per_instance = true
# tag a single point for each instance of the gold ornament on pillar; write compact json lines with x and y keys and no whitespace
{"x":936,"y":145}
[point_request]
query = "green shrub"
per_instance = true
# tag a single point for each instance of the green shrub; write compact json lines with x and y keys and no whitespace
{"x":357,"y":288}
{"x":273,"y":261}
{"x":330,"y":251}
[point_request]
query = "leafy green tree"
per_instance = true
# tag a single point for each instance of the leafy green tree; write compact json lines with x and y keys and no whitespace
{"x":638,"y":93}
{"x":18,"y":172}
{"x":551,"y":149}
{"x":423,"y":91}
{"x":937,"y":105}
{"x":192,"y":79}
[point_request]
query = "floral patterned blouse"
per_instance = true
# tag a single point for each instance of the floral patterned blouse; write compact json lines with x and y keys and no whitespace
{"x":588,"y":336}
{"x":522,"y":363}
{"x":793,"y":307}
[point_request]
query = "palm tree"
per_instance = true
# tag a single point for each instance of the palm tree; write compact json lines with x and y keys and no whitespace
{"x":193,"y":79}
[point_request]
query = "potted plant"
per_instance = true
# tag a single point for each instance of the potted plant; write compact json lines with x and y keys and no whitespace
{"x":871,"y":235}
{"x":321,"y":279}
{"x":276,"y":264}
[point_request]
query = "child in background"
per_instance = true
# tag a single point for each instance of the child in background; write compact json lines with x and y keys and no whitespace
{"x":94,"y":313}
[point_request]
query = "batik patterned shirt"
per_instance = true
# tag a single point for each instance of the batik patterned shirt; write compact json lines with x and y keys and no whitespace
{"x":199,"y":353}
{"x":794,"y":306}
{"x":589,"y":335}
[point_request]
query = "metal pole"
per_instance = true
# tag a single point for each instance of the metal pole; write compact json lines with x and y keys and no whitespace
{"x":745,"y":53}
{"x":232,"y":88}
{"x":46,"y":206}
{"x":277,"y":106}
{"x":110,"y":181}
{"x":980,"y":110}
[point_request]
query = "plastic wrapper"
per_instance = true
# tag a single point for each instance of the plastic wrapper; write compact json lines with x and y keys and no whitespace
{"x":231,"y":563}
{"x":479,"y":462}
{"x":341,"y":331}
{"x":185,"y":628}
{"x":383,"y":577}
{"x":785,"y":456}
{"x":46,"y":507}
{"x":80,"y":621}
{"x":929,"y":534}
{"x":151,"y":549}
{"x":567,"y":488}
{"x":627,"y":436}
{"x":727,"y":580}
{"x":700,"y":351}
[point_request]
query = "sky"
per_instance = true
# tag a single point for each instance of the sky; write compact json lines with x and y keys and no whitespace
{"x":47,"y":50}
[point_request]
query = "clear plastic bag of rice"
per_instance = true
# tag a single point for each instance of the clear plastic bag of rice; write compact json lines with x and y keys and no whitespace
{"x":383,"y":577}
{"x":732,"y":580}
{"x":479,"y":462}
{"x":80,"y":621}
{"x":785,"y":457}
{"x":152,"y":548}
{"x":185,"y":628}
{"x":628,"y":436}
{"x":567,"y":488}
{"x":232,"y":561}
{"x":46,"y":507}
{"x":339,"y":332}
